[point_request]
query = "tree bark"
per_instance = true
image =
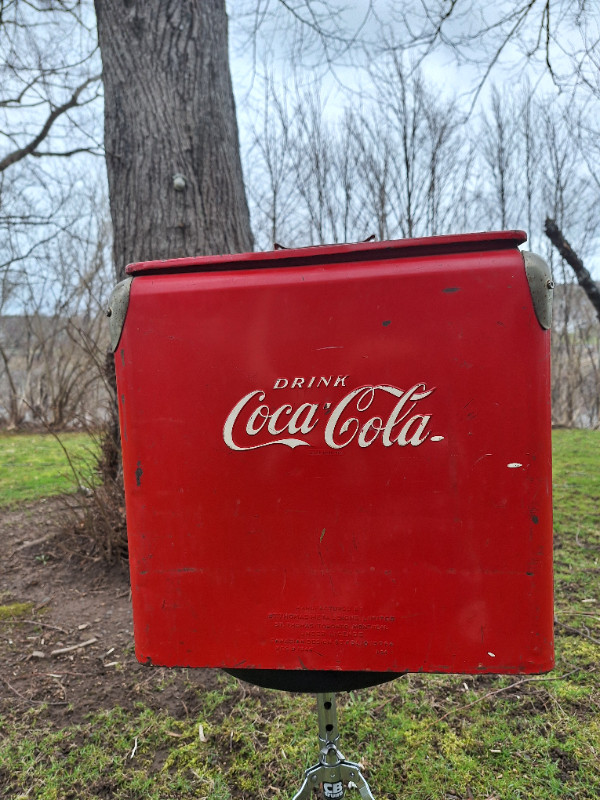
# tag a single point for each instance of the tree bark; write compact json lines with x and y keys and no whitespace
{"x":585,"y":280}
{"x":170,"y":111}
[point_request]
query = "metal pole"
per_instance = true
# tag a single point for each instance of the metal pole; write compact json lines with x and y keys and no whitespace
{"x":330,"y":757}
{"x":333,"y":772}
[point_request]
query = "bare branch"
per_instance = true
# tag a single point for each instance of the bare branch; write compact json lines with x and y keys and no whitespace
{"x":584,"y":278}
{"x":29,"y":149}
{"x":66,"y":153}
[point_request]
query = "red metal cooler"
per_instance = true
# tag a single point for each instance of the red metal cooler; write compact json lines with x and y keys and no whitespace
{"x":337,"y":460}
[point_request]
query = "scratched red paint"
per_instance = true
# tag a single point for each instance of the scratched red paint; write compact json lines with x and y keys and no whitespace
{"x":339,"y":458}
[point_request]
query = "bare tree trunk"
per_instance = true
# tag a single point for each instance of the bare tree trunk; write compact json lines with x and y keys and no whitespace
{"x":13,"y":402}
{"x":169,"y":111}
{"x":584,"y":278}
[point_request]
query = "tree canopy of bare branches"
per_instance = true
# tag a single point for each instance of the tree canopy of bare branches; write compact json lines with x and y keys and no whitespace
{"x":558,"y":37}
{"x":345,"y":132}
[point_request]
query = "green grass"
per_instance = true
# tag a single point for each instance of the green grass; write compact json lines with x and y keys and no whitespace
{"x":576,"y":488}
{"x":423,"y":737}
{"x":576,"y":479}
{"x":12,"y":610}
{"x":33,"y":466}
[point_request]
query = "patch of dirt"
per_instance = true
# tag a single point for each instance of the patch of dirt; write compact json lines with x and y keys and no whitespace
{"x":81,"y":607}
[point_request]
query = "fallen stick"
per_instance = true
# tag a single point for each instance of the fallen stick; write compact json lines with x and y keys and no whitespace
{"x":73,"y":647}
{"x":43,"y":625}
{"x":508,"y":688}
{"x":28,"y":700}
{"x":32,"y":543}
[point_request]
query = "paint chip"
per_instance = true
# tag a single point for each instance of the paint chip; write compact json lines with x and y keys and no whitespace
{"x":437,"y":438}
{"x":491,"y":655}
{"x":514,"y":465}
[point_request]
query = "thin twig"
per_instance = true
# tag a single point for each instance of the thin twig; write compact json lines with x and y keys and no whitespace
{"x":36,"y":541}
{"x":56,"y":673}
{"x":508,"y":688}
{"x":577,"y":631}
{"x":28,"y":700}
{"x":73,"y":647}
{"x":44,"y":625}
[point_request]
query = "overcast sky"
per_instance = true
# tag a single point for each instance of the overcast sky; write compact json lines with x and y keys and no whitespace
{"x":278,"y":35}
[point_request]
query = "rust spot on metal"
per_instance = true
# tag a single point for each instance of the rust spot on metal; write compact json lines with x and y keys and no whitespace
{"x":386,"y":322}
{"x":138,"y":474}
{"x":451,"y":289}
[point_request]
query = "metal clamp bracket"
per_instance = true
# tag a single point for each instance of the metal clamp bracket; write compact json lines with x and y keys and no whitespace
{"x":332,"y":772}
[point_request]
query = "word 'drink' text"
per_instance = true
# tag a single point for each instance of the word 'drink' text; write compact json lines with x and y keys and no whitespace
{"x":313,"y":382}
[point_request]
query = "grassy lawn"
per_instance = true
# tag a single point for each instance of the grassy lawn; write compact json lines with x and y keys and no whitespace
{"x":423,"y":737}
{"x":35,"y":465}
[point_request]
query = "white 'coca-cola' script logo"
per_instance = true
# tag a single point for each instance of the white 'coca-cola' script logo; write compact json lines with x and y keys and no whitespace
{"x":352,"y":419}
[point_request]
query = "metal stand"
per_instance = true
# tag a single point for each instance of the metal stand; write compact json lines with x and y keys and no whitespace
{"x":332,"y":772}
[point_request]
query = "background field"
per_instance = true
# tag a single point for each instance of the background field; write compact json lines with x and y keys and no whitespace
{"x":35,"y":465}
{"x":177,"y":733}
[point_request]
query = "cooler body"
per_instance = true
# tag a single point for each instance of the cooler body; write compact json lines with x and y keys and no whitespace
{"x":339,"y":459}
